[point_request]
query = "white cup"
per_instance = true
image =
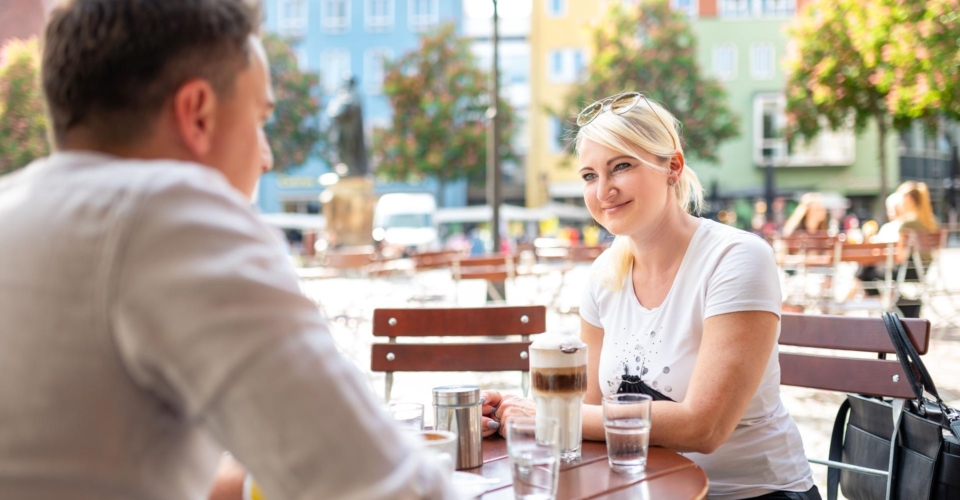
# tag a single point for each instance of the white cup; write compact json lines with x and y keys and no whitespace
{"x":442,"y":445}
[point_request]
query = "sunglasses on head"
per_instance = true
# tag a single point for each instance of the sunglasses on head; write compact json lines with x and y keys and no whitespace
{"x":618,"y":104}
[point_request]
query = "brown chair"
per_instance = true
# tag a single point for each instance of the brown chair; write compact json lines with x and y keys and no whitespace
{"x":441,"y":356}
{"x":423,"y":261}
{"x":491,"y":268}
{"x":875,"y":377}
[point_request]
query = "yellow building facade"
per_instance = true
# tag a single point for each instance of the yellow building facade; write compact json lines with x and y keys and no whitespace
{"x":559,"y":49}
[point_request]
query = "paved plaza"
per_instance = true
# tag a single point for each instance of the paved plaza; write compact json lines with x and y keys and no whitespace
{"x":349,"y":303}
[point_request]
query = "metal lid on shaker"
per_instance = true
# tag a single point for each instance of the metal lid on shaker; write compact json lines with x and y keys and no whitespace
{"x":456,"y":395}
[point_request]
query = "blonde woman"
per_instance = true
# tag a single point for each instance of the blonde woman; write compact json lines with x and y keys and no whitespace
{"x":911,"y":211}
{"x":680,"y":307}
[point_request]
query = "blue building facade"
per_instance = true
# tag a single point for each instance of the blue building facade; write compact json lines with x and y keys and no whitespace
{"x":336,"y":37}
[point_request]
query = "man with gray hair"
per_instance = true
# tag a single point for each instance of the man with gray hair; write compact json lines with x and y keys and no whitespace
{"x":148,"y":320}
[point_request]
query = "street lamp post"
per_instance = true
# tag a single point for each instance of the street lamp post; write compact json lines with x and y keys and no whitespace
{"x":769,"y":186}
{"x":494,"y":195}
{"x":493,"y":138}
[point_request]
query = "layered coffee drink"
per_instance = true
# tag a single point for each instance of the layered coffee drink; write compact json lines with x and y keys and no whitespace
{"x":558,"y":373}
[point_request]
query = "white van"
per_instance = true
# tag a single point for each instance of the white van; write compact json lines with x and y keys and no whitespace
{"x":406,"y":220}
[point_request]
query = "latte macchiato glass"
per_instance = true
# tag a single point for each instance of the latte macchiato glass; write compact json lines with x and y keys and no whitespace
{"x":558,"y":374}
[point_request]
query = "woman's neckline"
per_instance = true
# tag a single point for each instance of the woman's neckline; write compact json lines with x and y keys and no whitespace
{"x":683,"y":265}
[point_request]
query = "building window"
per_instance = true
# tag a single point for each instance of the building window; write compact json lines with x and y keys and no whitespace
{"x":777,"y":8}
{"x":378,"y":15}
{"x":373,"y":68}
{"x":293,"y":17}
{"x":335,"y":16}
{"x":556,"y":8}
{"x":334,"y":65}
{"x":555,"y":142}
{"x":757,"y":8}
{"x":565,"y":65}
{"x":302,"y":61}
{"x":690,"y":8}
{"x":424,"y":14}
{"x":762,"y":61}
{"x":828,"y":148}
{"x":725,"y":62}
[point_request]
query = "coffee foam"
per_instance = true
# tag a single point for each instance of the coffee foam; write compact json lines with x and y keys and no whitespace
{"x":555,"y":358}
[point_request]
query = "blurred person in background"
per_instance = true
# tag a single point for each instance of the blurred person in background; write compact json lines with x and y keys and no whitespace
{"x":148,"y":318}
{"x":810,"y":217}
{"x":910,"y":210}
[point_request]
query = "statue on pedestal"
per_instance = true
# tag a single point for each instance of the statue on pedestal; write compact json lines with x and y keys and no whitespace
{"x":346,"y":114}
{"x":348,"y":204}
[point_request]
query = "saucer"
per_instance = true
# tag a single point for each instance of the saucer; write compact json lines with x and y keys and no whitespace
{"x":471,"y":485}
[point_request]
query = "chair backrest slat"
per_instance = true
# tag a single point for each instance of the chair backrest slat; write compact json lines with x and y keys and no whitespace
{"x":485,"y":261}
{"x":476,"y":357}
{"x":435,"y":260}
{"x":479,"y":321}
{"x":876,"y":377}
{"x":848,"y":333}
{"x":874,"y":254}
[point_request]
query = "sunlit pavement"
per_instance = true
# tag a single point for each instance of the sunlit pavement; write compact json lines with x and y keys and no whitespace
{"x":349,"y":302}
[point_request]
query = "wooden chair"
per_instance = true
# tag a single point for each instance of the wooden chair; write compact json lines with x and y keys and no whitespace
{"x":424,"y":261}
{"x":353,"y":261}
{"x":800,"y":254}
{"x":922,"y":274}
{"x":875,"y":377}
{"x":454,"y":357}
{"x":491,"y":268}
{"x":881,"y":255}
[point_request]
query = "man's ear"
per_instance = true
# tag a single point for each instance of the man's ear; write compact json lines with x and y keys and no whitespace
{"x":194,"y":108}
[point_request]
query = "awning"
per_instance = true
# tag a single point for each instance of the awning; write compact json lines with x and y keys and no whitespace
{"x":294,"y":221}
{"x":483,"y":213}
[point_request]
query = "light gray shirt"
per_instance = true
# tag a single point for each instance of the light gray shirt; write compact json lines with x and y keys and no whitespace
{"x":148,"y":320}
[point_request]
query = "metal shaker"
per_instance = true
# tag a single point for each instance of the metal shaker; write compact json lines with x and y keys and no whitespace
{"x":456,"y":408}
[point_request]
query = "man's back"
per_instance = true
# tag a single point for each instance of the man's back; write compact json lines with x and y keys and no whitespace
{"x":71,"y":415}
{"x":147,"y":320}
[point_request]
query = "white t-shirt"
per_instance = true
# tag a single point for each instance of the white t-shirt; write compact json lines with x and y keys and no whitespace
{"x":724,"y":270}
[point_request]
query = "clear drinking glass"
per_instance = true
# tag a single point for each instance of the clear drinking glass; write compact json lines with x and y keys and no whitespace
{"x":533,"y":445}
{"x":408,"y":415}
{"x":626,"y":422}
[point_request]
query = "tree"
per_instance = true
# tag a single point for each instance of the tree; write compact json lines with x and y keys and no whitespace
{"x":439,"y":99}
{"x":650,"y":48}
{"x":294,"y":130}
{"x":889,"y":61}
{"x":23,"y":119}
{"x":925,"y":58}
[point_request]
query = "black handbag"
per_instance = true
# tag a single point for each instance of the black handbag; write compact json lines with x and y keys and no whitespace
{"x":917,"y":441}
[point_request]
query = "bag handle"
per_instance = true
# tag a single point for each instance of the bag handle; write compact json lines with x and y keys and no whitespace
{"x":917,"y":374}
{"x":836,"y":449}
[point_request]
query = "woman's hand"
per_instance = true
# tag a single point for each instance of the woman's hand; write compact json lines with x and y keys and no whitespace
{"x":513,"y":406}
{"x":489,"y":423}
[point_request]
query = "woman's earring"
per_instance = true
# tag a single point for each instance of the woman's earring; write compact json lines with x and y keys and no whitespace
{"x":671,"y":182}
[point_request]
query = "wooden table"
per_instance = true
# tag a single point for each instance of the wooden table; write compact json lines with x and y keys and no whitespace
{"x":668,"y":475}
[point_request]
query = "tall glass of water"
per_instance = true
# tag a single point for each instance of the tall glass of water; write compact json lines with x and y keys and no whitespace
{"x":626,"y":421}
{"x":533,"y":445}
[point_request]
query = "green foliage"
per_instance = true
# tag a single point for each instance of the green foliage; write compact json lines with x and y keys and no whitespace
{"x":439,"y":98}
{"x":23,"y":120}
{"x":925,"y":54}
{"x":833,"y":79}
{"x":294,"y":130}
{"x":651,"y":49}
{"x":891,"y":61}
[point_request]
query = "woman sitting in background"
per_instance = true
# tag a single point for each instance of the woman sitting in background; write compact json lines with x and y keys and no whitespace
{"x":910,"y":211}
{"x":810,"y":217}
